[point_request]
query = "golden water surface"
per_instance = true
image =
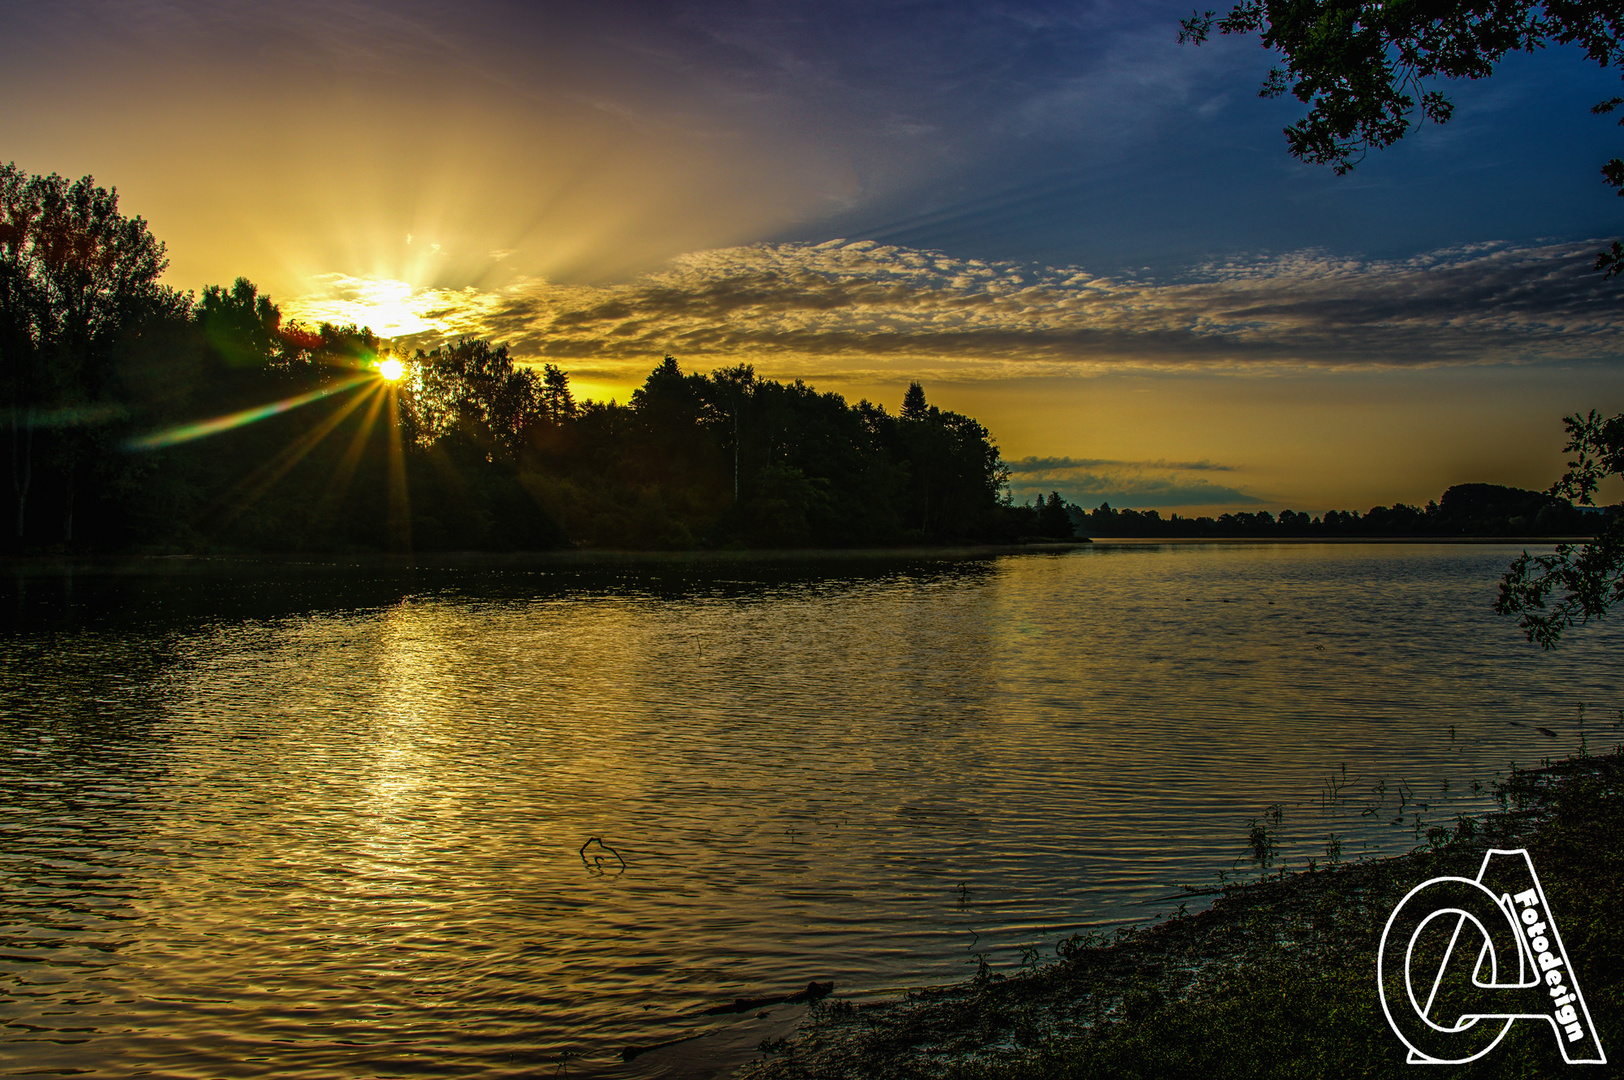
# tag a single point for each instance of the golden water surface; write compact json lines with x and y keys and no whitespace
{"x":328,"y":821}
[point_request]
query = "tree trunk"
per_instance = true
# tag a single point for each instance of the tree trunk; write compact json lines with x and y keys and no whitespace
{"x":67,"y":513}
{"x":22,"y":462}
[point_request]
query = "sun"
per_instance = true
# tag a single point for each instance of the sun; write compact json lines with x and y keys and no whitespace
{"x":391,"y":370}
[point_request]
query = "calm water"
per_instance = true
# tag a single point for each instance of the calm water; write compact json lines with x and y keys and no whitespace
{"x":327,"y":822}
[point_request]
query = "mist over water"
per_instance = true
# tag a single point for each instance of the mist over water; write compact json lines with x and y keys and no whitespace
{"x":328,"y":821}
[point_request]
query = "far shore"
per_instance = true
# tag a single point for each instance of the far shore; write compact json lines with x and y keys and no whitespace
{"x":1513,"y":540}
{"x":704,"y":556}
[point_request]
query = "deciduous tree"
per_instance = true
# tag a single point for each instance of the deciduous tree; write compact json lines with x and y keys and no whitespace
{"x":75,"y":276}
{"x":1584,"y":580}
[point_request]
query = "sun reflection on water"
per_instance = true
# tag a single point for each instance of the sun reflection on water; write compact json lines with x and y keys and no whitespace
{"x":354,"y":835}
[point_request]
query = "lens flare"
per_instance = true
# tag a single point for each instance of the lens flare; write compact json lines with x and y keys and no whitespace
{"x":391,"y":370}
{"x":203,"y":428}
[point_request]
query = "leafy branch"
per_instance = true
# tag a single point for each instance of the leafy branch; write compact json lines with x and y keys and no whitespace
{"x":1587,"y":579}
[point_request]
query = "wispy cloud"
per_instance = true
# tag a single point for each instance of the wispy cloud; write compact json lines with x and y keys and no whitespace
{"x":1089,"y":482}
{"x":865,"y":309}
{"x":1054,"y":465}
{"x":1146,"y":493}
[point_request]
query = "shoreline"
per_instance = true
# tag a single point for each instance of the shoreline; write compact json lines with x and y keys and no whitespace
{"x":561,"y":557}
{"x":1183,"y":997}
{"x":1145,"y":541}
{"x":588,"y":557}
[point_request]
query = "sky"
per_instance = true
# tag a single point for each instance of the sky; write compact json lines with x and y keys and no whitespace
{"x":1052,"y":215}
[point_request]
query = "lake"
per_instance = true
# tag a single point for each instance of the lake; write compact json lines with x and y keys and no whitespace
{"x":337,"y":820}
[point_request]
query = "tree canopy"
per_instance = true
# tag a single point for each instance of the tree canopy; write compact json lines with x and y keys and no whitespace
{"x":1366,"y":69}
{"x":78,"y":282}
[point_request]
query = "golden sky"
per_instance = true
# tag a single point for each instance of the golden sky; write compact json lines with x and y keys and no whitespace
{"x":1057,"y":219}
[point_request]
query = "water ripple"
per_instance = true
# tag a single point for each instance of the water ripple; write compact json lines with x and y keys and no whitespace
{"x":331,"y":825}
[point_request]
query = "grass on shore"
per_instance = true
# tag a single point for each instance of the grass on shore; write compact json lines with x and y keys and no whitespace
{"x":1276,"y":980}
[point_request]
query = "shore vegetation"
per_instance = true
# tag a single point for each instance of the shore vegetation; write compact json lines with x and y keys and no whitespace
{"x":1277,"y":979}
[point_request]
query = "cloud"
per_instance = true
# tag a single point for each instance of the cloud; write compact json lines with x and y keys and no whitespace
{"x":1143,"y":494}
{"x":1088,"y":482}
{"x":871,"y":310}
{"x":1051,"y":465}
{"x":394,"y":309}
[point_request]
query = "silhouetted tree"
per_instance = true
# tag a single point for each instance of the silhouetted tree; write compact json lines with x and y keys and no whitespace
{"x":556,"y":398}
{"x":76,"y":277}
{"x":913,"y":402}
{"x":1053,"y":521}
{"x":955,"y":472}
{"x":1587,"y":579}
{"x":240,"y":326}
{"x":734,"y":390}
{"x":476,"y":386}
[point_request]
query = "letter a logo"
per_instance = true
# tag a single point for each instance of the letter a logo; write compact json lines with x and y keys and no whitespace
{"x":1462,"y":960}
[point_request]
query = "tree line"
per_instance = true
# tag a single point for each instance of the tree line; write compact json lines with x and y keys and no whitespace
{"x":1477,"y":510}
{"x":141,"y":418}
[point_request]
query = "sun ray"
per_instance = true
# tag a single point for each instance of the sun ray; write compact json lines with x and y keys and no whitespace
{"x":400,"y":507}
{"x":249,"y":490}
{"x":339,"y":483}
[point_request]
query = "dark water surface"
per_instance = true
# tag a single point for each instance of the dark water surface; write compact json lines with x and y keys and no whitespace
{"x":327,"y":821}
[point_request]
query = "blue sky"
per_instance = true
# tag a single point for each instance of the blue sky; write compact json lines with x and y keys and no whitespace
{"x":1056,"y":217}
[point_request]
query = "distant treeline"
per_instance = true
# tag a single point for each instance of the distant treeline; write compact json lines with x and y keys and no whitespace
{"x":1464,"y":510}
